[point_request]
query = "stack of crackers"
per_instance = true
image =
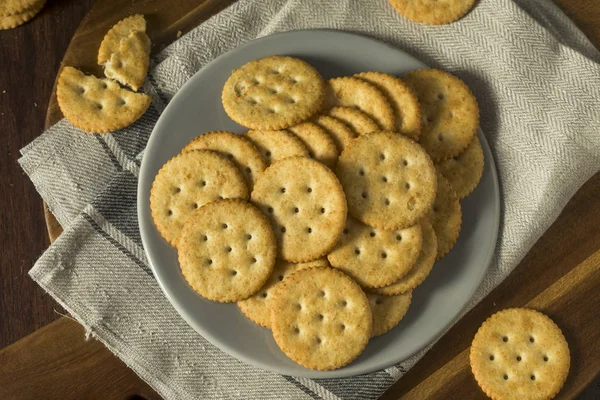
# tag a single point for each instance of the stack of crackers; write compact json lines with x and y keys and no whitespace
{"x":322,"y":218}
{"x":14,"y":13}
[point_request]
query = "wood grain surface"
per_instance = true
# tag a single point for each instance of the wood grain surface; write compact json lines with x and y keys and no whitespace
{"x":559,"y":276}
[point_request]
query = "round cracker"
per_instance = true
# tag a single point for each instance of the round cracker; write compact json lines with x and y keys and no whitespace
{"x":273,"y":93}
{"x":450,"y":112}
{"x":227,"y":250}
{"x":257,"y":307}
{"x":376,"y":257}
{"x":305,"y":204}
{"x":17,"y":19}
{"x":319,"y":143}
{"x":341,"y":134}
{"x":407,"y":110}
{"x":236,"y":148}
{"x":276,"y":145}
{"x":356,"y":93}
{"x":16,"y":7}
{"x":121,"y":30}
{"x":97,"y":105}
{"x":321,"y":318}
{"x":357,"y":120}
{"x":187,"y":182}
{"x":445,"y":216}
{"x":389,"y":180}
{"x":465,"y":170}
{"x":422,"y":267}
{"x":387,"y":311}
{"x":433,"y":12}
{"x":519,"y":353}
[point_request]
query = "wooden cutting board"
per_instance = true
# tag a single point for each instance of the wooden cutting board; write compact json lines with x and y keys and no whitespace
{"x":559,"y":276}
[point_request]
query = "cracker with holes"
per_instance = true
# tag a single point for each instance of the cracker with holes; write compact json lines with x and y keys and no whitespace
{"x":376,"y":257}
{"x":30,"y":10}
{"x":445,"y":216}
{"x":450,"y":112}
{"x":125,"y":52}
{"x":389,"y":180}
{"x":422,"y":267}
{"x":97,"y":105}
{"x":357,"y":120}
{"x":227,"y":250}
{"x":387,"y":311}
{"x":305,"y":204}
{"x":341,"y":133}
{"x":257,"y":307}
{"x":187,"y":182}
{"x":356,"y":93}
{"x":433,"y":12}
{"x":519,"y":353}
{"x":319,"y":143}
{"x":465,"y":170}
{"x":407,"y":111}
{"x":321,"y":318}
{"x":273,"y":93}
{"x":277,"y":145}
{"x":236,"y":148}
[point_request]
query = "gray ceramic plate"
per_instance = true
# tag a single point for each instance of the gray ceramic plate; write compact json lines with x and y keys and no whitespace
{"x":197,"y":108}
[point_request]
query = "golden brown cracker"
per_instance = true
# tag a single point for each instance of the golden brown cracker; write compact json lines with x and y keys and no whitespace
{"x":17,"y":19}
{"x":236,"y":148}
{"x":422,"y":267}
{"x":357,"y":120}
{"x":277,"y":145}
{"x":376,"y":257}
{"x":187,"y":182}
{"x":465,"y":170}
{"x":341,"y":134}
{"x":129,"y":65}
{"x":520,"y":353}
{"x":305,"y":204}
{"x":122,"y":30}
{"x":445,"y":217}
{"x":226,"y":250}
{"x":356,"y":93}
{"x":319,"y":143}
{"x":389,"y":180}
{"x":387,"y":311}
{"x":273,"y":93}
{"x":407,"y":110}
{"x":15,"y":7}
{"x":433,"y":12}
{"x":321,"y":318}
{"x":450,"y":112}
{"x":97,"y":105}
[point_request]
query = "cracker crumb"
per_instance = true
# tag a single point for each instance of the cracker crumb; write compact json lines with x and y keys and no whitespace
{"x":179,"y":33}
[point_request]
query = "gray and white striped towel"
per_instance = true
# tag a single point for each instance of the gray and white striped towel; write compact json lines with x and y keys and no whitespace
{"x":538,"y":85}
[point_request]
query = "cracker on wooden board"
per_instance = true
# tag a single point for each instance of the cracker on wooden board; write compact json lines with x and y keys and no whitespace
{"x":357,"y":120}
{"x":520,"y":353}
{"x":321,"y":318}
{"x":97,"y":105}
{"x":227,"y":250}
{"x":389,"y":180}
{"x":187,"y":182}
{"x":257,"y":307}
{"x":121,"y":30}
{"x":129,"y":66}
{"x":450,"y":112}
{"x":387,"y":311}
{"x":407,"y":110}
{"x":465,"y":170}
{"x":236,"y":148}
{"x":376,"y":257}
{"x":17,"y":19}
{"x":422,"y":267}
{"x":445,"y":216}
{"x":273,"y":93}
{"x":341,"y":134}
{"x":306,"y":205}
{"x":13,"y":7}
{"x":433,"y":12}
{"x":319,"y":143}
{"x":276,"y":145}
{"x":356,"y":93}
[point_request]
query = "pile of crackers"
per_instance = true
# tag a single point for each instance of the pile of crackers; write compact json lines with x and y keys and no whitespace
{"x":322,"y":218}
{"x":15,"y":13}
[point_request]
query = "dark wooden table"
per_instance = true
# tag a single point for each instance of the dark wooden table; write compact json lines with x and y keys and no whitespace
{"x":29,"y":60}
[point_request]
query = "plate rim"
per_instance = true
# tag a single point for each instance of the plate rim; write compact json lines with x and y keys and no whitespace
{"x":143,"y":206}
